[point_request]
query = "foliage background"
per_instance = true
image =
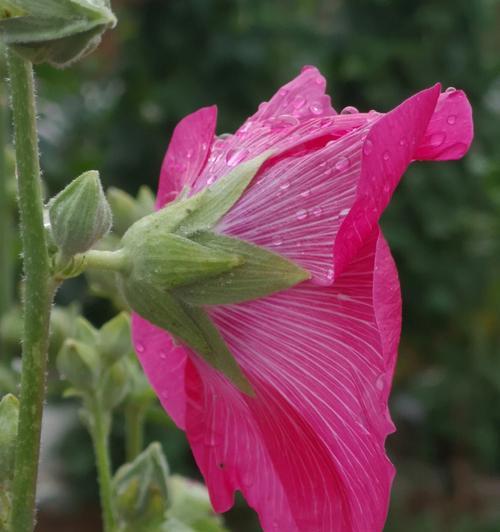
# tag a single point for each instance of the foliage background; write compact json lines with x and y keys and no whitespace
{"x":116,"y":110}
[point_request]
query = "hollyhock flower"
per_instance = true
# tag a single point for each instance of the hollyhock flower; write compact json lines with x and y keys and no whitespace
{"x":307,"y":450}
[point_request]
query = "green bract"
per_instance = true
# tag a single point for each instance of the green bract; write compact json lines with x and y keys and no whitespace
{"x":176,"y":262}
{"x":79,"y":215}
{"x":58,"y":32}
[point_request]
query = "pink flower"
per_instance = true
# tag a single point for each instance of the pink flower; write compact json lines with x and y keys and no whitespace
{"x":307,"y":451}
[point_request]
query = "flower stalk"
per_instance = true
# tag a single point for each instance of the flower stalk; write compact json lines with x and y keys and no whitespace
{"x":38,"y":294}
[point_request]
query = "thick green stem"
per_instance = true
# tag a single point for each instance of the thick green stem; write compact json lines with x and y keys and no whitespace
{"x":134,"y":431}
{"x":38,"y":293}
{"x":100,"y":427}
{"x":104,"y":260}
{"x":5,"y":208}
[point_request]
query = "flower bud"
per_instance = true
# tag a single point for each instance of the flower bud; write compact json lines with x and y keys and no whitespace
{"x":79,"y":215}
{"x":141,"y":489}
{"x":114,"y":339}
{"x":115,"y":386}
{"x":79,"y":363}
{"x":9,"y":414}
{"x":58,"y":32}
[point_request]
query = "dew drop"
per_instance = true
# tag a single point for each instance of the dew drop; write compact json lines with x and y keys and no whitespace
{"x":343,"y":212}
{"x":349,"y":110}
{"x":305,"y":68}
{"x":451,"y":119}
{"x":285,"y":185}
{"x":319,"y":80}
{"x":317,"y":211}
{"x":139,"y":348}
{"x":329,"y":274}
{"x":283,"y":92}
{"x":316,"y":108}
{"x":450,"y":90}
{"x":380,"y":382}
{"x":342,"y":164}
{"x":387,"y":188}
{"x":299,"y":102}
{"x":277,"y":240}
{"x":163,"y":355}
{"x":189,"y":153}
{"x":246,"y":126}
{"x":305,"y":193}
{"x":301,"y":214}
{"x":386,"y":156}
{"x":368,"y":147}
{"x":437,"y":139}
{"x":234,"y":156}
{"x":403,"y":142}
{"x":210,"y":180}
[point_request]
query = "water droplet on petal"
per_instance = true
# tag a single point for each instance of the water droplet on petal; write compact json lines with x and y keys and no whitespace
{"x":349,"y":110}
{"x":316,"y":108}
{"x":305,"y":68}
{"x":139,"y":348}
{"x":386,"y":156}
{"x":437,"y":139}
{"x":368,"y":147}
{"x":305,"y":193}
{"x":342,"y":164}
{"x":189,"y":153}
{"x":317,"y":211}
{"x":277,"y":240}
{"x":451,"y":119}
{"x":299,"y":102}
{"x":210,"y":180}
{"x":329,"y":274}
{"x":283,"y":92}
{"x":246,"y":126}
{"x":285,"y":185}
{"x":450,"y":89}
{"x":163,"y":355}
{"x":403,"y":141}
{"x":319,"y":80}
{"x":380,"y":382}
{"x":301,"y":214}
{"x":343,"y":212}
{"x":387,"y":188}
{"x":234,"y":156}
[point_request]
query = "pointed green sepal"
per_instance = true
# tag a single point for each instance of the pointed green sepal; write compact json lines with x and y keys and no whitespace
{"x":140,"y":490}
{"x":166,"y":260}
{"x":79,"y":363}
{"x":58,"y":32}
{"x":190,"y":325}
{"x":114,"y":385}
{"x":9,"y":415}
{"x":262,"y":273}
{"x":79,"y":215}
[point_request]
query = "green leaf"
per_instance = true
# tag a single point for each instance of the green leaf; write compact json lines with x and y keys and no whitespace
{"x":261,"y":273}
{"x":190,"y":325}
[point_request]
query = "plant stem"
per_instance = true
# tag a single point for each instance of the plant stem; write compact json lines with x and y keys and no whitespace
{"x":105,"y":260}
{"x":5,"y":208}
{"x":38,"y":293}
{"x":134,"y":431}
{"x":100,"y":427}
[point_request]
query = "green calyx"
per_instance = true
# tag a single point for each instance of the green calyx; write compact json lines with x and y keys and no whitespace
{"x":58,"y":32}
{"x":175,"y":263}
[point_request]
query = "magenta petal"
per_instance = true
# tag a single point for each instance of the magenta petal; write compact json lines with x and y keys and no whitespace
{"x":450,"y":131}
{"x":187,"y":153}
{"x":311,"y":444}
{"x":164,"y":364}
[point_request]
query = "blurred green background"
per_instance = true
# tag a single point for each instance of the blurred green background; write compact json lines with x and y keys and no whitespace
{"x":115,"y":111}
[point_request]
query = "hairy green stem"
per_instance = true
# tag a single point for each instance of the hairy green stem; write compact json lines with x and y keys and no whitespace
{"x":5,"y":208}
{"x":99,"y":429}
{"x":134,"y":431}
{"x":38,"y":293}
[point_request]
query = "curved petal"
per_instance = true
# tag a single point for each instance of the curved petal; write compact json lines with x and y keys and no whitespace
{"x":450,"y":131}
{"x":186,"y":154}
{"x":311,"y":443}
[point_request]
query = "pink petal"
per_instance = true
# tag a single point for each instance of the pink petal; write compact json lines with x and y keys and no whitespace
{"x":450,"y":131}
{"x":311,"y":444}
{"x":187,"y":153}
{"x":164,"y":363}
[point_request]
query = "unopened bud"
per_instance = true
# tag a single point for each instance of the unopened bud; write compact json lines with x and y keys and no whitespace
{"x":115,"y":386}
{"x":141,"y":489}
{"x":58,"y":32}
{"x":80,"y":215}
{"x":79,"y":363}
{"x":114,"y":339}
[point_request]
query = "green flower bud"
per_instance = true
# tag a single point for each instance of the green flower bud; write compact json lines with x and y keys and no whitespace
{"x":58,"y":32}
{"x":79,"y":363}
{"x":190,"y":505}
{"x":141,"y":490}
{"x":9,"y":415}
{"x":114,"y":339}
{"x":79,"y":215}
{"x":115,"y":386}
